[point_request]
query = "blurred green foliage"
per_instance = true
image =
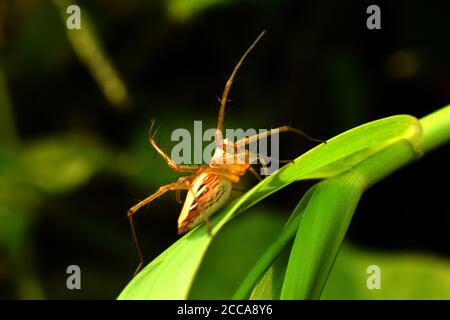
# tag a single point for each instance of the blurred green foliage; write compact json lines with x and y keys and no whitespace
{"x":71,"y":162}
{"x":403,"y":276}
{"x":187,"y":9}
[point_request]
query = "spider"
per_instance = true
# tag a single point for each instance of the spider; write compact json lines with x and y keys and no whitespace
{"x":209,"y":186}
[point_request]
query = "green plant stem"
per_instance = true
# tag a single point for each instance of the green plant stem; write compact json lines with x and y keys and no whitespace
{"x":436,"y":132}
{"x":436,"y":129}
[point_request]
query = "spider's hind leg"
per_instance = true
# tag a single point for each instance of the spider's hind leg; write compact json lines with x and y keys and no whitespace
{"x":248,"y":140}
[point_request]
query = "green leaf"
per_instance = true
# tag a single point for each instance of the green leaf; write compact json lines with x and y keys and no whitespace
{"x":240,"y":243}
{"x":272,"y":254}
{"x":319,"y":236}
{"x":270,"y":284}
{"x":170,"y":275}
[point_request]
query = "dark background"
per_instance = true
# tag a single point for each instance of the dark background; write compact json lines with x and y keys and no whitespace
{"x":318,"y":68}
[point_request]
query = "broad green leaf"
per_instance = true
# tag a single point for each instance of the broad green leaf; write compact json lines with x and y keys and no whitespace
{"x":319,"y":236}
{"x":270,"y":284}
{"x":274,"y":250}
{"x":234,"y":251}
{"x":324,"y":224}
{"x":170,"y":275}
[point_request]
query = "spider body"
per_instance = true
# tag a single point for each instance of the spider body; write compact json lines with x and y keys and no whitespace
{"x":208,"y":193}
{"x":210,"y":187}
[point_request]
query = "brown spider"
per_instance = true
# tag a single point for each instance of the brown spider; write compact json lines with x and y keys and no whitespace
{"x":209,"y":186}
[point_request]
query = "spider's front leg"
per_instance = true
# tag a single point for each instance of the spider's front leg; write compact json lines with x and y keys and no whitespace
{"x":172,"y":165}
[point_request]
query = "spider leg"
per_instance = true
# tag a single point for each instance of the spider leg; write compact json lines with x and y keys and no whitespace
{"x":263,"y":162}
{"x":178,"y":196}
{"x":224,"y":172}
{"x":228,"y":85}
{"x":248,"y":140}
{"x":256,"y":174}
{"x":208,"y":223}
{"x":172,"y":165}
{"x":179,"y":185}
{"x":285,"y":161}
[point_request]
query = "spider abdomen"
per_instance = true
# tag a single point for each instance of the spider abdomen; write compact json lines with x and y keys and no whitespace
{"x":208,"y":193}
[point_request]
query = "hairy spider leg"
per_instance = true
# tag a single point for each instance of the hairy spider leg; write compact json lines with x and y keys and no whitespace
{"x":247,"y":140}
{"x":172,"y":165}
{"x":255,"y":173}
{"x":227,"y":88}
{"x":181,"y":184}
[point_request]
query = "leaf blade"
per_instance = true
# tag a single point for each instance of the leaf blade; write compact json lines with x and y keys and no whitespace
{"x":162,"y":278}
